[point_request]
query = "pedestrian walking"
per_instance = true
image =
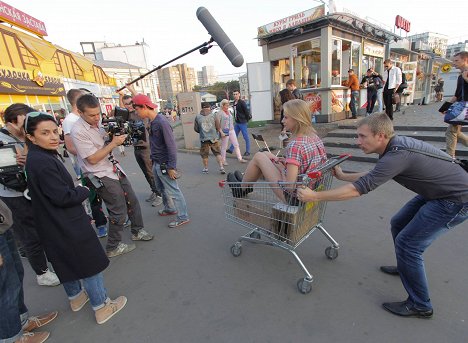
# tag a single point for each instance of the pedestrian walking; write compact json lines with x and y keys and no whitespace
{"x":392,"y":78}
{"x":242,"y":117}
{"x":353,"y":84}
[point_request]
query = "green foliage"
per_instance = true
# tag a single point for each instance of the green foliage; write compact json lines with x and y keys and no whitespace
{"x":220,"y":89}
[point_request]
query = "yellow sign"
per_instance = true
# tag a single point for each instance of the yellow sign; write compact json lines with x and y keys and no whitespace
{"x":446,"y":68}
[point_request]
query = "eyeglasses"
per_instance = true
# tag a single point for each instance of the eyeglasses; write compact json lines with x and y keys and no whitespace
{"x":135,"y":106}
{"x":33,"y":115}
{"x":128,"y":103}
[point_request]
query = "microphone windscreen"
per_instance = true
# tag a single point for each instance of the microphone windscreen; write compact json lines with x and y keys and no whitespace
{"x":220,"y":37}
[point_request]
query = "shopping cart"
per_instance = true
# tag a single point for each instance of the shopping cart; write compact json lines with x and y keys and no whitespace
{"x":275,"y":217}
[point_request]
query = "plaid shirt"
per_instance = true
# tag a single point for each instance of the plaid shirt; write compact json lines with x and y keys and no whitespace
{"x":306,"y":152}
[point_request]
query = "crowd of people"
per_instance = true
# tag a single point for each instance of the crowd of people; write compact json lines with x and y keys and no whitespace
{"x":51,"y":224}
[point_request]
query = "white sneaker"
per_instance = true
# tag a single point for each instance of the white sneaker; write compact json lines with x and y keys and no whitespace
{"x":158,"y":201}
{"x":48,"y":279}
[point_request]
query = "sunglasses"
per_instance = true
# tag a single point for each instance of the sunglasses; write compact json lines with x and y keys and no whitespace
{"x":128,"y":103}
{"x":33,"y":115}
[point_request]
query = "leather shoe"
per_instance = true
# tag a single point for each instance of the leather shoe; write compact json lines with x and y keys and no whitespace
{"x":403,"y":309}
{"x":392,"y":270}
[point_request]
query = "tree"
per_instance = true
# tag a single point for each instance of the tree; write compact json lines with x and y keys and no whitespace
{"x":222,"y":90}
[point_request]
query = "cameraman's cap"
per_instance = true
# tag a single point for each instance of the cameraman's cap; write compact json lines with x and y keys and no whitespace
{"x":205,"y":105}
{"x":141,"y":100}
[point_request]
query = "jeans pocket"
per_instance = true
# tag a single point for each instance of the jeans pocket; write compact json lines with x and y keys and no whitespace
{"x":460,"y":213}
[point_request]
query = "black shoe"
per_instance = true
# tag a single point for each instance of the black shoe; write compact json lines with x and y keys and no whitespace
{"x":229,"y":151}
{"x":236,"y":188}
{"x":238,"y":175}
{"x":403,"y":309}
{"x":392,"y":270}
{"x":247,"y":153}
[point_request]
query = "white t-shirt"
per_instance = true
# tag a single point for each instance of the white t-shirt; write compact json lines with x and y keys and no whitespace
{"x":68,"y":122}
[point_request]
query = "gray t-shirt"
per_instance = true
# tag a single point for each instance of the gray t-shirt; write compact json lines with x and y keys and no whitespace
{"x":427,"y":176}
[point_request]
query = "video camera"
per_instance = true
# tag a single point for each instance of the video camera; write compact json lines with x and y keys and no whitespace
{"x":120,"y":125}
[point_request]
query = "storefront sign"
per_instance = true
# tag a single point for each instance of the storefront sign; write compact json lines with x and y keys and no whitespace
{"x":26,"y":82}
{"x":372,"y":49}
{"x":446,"y":68}
{"x":20,"y":19}
{"x":402,"y":23}
{"x":295,"y":20}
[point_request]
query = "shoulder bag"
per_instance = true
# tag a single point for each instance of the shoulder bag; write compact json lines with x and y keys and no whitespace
{"x":457,"y":113}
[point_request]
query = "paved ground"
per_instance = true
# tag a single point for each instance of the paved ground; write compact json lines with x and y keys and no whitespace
{"x":185,"y":286}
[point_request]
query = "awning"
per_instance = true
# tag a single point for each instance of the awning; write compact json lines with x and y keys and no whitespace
{"x":43,"y":49}
{"x":403,"y":51}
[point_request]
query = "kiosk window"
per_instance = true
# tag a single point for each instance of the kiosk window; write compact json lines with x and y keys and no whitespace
{"x":306,"y":63}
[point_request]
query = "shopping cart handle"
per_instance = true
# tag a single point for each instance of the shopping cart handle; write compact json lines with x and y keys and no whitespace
{"x":222,"y":183}
{"x":314,"y":174}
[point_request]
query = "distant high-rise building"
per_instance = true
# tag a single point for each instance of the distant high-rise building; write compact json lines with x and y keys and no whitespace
{"x":430,"y":41}
{"x":244,"y":87}
{"x":176,"y":79}
{"x":453,"y":49}
{"x":125,"y":62}
{"x":209,"y":75}
{"x":200,"y":79}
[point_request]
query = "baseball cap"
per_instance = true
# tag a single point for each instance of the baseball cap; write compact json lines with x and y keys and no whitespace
{"x":141,"y":100}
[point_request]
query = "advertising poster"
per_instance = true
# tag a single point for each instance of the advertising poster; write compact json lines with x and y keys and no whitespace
{"x":314,"y":100}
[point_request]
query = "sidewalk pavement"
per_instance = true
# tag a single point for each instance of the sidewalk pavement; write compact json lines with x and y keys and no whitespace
{"x":412,"y":115}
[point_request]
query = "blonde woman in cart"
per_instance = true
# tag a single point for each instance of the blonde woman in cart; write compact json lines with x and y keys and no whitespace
{"x":227,"y":133}
{"x":304,"y":152}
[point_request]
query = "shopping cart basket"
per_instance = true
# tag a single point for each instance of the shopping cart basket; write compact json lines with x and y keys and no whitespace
{"x":275,"y":217}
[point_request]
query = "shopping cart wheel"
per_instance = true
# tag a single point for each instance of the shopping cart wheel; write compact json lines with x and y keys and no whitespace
{"x":255,"y":235}
{"x":331,"y":253}
{"x":304,"y":286}
{"x":236,"y":249}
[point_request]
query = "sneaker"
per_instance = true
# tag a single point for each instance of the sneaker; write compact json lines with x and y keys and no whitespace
{"x":121,"y":249}
{"x":225,"y":164}
{"x":178,"y":222}
{"x":243,"y":161}
{"x":152,"y":197}
{"x":164,"y":213}
{"x":34,"y":337}
{"x":48,"y":279}
{"x":247,"y":153}
{"x":222,"y":170}
{"x":110,"y":309}
{"x":229,"y":151}
{"x":142,"y":235}
{"x":77,"y":303}
{"x":158,"y":201}
{"x":38,"y":321}
{"x":102,"y":231}
{"x":205,"y":171}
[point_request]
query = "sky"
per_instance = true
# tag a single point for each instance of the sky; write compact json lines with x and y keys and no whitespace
{"x":171,"y":27}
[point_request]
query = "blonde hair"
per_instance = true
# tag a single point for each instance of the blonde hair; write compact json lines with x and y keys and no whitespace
{"x":224,"y":102}
{"x":299,"y":110}
{"x":378,"y":123}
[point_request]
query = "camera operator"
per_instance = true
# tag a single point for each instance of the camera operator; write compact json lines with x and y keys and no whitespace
{"x":141,"y":147}
{"x":24,"y":228}
{"x":106,"y":175}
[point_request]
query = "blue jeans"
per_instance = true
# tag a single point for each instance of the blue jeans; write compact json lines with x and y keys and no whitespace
{"x":238,"y":127}
{"x":172,"y":196}
{"x":14,"y":313}
{"x":414,"y":228}
{"x":380,"y":99}
{"x":94,"y":286}
{"x":353,"y":103}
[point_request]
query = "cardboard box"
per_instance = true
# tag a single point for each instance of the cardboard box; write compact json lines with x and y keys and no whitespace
{"x":252,"y":209}
{"x":292,"y":223}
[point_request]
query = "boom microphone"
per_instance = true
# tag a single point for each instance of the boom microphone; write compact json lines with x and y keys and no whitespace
{"x":220,"y":37}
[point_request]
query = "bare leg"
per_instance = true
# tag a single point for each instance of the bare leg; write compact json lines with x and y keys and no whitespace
{"x":261,"y":165}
